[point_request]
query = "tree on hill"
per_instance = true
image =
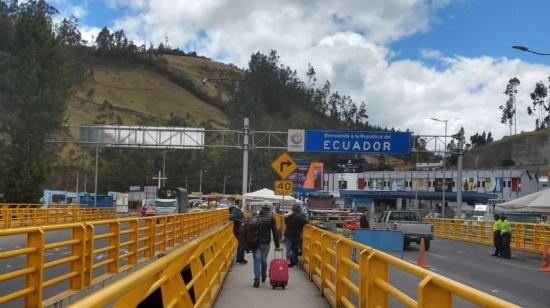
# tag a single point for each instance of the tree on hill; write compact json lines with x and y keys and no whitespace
{"x":509,"y":109}
{"x":482,"y":139}
{"x":35,"y":85}
{"x":540,"y":106}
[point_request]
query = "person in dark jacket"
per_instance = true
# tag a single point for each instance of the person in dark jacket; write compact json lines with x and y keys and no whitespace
{"x":237,"y":216}
{"x":293,"y":234}
{"x":267,"y":227}
{"x":364,"y":220}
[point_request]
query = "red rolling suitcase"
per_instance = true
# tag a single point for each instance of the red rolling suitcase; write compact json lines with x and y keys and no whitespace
{"x":278,"y":271}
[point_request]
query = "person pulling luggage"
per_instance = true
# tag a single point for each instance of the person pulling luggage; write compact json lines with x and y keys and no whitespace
{"x":267,"y":227}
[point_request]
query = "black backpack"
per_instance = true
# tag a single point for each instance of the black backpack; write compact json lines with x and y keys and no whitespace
{"x":249,"y":236}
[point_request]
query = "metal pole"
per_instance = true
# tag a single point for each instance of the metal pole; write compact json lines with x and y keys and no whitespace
{"x":245,"y":158}
{"x":444,"y":170}
{"x":95,"y":181}
{"x":77,"y":174}
{"x":163,"y":167}
{"x":85,"y":183}
{"x":186,"y":184}
{"x":224,"y":178}
{"x":548,"y":124}
{"x":459,"y":177}
{"x":200,"y":182}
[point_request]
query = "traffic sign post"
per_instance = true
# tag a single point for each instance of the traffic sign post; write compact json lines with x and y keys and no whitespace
{"x":283,"y":188}
{"x":284,"y":165}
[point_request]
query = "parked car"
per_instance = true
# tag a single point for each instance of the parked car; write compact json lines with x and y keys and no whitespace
{"x":410,"y":223}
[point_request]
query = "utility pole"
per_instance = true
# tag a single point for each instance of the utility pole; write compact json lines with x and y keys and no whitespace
{"x":246,"y":132}
{"x":459,"y":176}
{"x":95,"y":181}
{"x":444,"y":166}
{"x":224,"y":180}
{"x":200,"y":182}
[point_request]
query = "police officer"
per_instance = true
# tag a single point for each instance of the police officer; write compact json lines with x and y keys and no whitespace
{"x":497,"y":240}
{"x":506,"y":235}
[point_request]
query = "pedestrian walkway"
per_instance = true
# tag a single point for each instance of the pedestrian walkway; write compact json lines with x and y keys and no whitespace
{"x":237,"y":290}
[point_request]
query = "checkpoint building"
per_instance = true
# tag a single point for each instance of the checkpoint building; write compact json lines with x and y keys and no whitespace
{"x":423,"y":190}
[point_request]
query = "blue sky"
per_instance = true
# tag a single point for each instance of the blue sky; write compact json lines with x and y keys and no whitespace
{"x":476,"y":28}
{"x":408,"y":60}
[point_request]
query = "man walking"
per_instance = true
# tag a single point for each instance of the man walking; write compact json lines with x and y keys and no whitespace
{"x":497,"y":241}
{"x":237,"y":216}
{"x":506,"y":236}
{"x":293,"y":234}
{"x":267,"y":227}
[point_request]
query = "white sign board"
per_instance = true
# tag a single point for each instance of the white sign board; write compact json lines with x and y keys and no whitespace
{"x":143,"y":136}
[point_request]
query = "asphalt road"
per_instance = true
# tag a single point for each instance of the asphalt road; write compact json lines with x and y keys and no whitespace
{"x":516,"y":280}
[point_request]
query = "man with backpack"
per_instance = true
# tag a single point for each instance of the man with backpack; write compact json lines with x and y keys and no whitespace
{"x":267,"y":227}
{"x":294,"y":223}
{"x":237,"y":216}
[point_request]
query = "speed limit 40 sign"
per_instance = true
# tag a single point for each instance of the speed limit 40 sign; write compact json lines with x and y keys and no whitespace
{"x":283,"y":188}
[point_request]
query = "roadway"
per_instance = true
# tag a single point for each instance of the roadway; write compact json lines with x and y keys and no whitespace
{"x":516,"y":280}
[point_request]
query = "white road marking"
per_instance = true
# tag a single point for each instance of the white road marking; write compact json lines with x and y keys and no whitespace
{"x":494,"y":291}
{"x":519,"y":266}
{"x":437,"y":256}
{"x":8,"y":266}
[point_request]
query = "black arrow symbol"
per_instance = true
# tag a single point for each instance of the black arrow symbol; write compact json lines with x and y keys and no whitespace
{"x":287,"y":163}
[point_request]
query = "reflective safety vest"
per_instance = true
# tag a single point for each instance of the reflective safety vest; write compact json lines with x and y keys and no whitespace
{"x":497,"y":226}
{"x":505,"y":227}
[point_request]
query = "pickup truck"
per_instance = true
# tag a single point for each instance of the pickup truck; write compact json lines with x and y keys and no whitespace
{"x":408,"y":222}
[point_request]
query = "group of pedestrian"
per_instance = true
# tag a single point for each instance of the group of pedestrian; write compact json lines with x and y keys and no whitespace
{"x":267,"y":229}
{"x":502,"y":236}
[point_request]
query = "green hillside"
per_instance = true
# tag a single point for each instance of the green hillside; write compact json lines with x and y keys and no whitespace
{"x":135,"y":94}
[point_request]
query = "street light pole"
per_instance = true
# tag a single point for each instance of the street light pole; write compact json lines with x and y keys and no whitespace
{"x":200,"y":182}
{"x":164,"y":167}
{"x":444,"y":166}
{"x":459,"y":175}
{"x":95,"y":180}
{"x":525,"y":49}
{"x":246,"y":135}
{"x":224,"y":180}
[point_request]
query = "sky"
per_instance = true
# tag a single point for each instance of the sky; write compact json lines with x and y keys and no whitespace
{"x":409,"y":60}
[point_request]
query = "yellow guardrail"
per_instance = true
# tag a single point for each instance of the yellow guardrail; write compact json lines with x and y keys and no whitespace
{"x":525,"y":236}
{"x":190,"y":276}
{"x":23,"y":217}
{"x":6,"y":205}
{"x":346,"y":282}
{"x":85,"y":254}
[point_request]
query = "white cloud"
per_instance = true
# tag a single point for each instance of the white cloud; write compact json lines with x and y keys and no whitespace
{"x":89,"y":34}
{"x":79,"y":12}
{"x":348,"y":43}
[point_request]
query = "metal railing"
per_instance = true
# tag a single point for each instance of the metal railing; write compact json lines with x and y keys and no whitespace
{"x":6,"y":205}
{"x":525,"y":236}
{"x":350,"y":274}
{"x":79,"y":255}
{"x":190,"y":276}
{"x":24,"y":217}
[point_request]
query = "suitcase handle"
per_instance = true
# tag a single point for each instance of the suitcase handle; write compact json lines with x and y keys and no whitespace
{"x":275,"y":253}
